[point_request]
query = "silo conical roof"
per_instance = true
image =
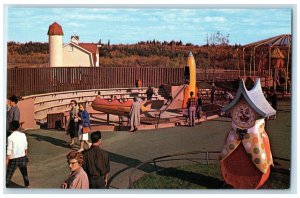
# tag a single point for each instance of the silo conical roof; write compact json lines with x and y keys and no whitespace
{"x":55,"y":29}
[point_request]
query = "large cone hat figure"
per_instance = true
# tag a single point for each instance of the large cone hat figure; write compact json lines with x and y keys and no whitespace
{"x":246,"y":155}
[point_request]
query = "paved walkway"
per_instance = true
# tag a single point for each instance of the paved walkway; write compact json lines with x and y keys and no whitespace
{"x":48,"y":149}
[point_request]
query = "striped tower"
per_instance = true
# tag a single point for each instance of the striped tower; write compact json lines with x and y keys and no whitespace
{"x":55,"y":34}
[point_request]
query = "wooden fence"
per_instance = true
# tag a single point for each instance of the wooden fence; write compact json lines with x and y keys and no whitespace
{"x":231,"y":75}
{"x":31,"y":81}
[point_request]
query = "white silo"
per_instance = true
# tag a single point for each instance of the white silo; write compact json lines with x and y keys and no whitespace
{"x":55,"y":45}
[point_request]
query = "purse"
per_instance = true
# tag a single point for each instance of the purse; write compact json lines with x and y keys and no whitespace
{"x":86,"y":129}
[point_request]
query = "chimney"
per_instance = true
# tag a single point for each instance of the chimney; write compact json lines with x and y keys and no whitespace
{"x":75,"y":39}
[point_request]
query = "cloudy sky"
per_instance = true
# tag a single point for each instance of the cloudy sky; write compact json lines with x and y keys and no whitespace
{"x":130,"y":25}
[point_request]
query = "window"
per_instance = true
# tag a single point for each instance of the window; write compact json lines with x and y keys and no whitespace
{"x":70,"y":48}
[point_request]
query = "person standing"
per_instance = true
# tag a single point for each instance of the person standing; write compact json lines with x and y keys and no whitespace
{"x":16,"y":155}
{"x":199,"y":106}
{"x":13,"y":113}
{"x":83,"y":121}
{"x":149,"y":93}
{"x":96,"y":163}
{"x":139,"y":83}
{"x":98,"y":94}
{"x":191,"y":105}
{"x":135,"y":114}
{"x":213,"y":90}
{"x":78,"y":178}
{"x":72,"y":128}
{"x":274,"y":102}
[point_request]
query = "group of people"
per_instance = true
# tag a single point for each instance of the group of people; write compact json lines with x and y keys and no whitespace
{"x":78,"y":120}
{"x":194,"y":108}
{"x":88,"y":169}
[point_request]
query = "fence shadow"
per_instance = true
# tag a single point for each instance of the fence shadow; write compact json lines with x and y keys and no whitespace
{"x":54,"y":141}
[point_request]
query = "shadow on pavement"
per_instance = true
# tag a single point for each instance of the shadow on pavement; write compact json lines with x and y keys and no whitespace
{"x":130,"y":163}
{"x":54,"y":141}
{"x":14,"y":185}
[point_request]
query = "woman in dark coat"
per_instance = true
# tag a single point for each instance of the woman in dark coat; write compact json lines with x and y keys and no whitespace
{"x":72,"y":127}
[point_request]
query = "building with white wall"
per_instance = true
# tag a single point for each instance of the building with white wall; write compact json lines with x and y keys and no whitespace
{"x":73,"y":54}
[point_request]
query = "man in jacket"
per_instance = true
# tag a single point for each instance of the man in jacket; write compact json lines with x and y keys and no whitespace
{"x":192,"y":105}
{"x":13,"y":114}
{"x":96,"y":163}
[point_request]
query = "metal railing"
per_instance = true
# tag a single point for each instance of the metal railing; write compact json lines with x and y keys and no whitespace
{"x":168,"y":105}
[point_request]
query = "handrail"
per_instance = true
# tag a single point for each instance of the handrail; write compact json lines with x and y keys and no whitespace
{"x":163,"y":158}
{"x":206,"y":113}
{"x":184,"y":86}
{"x":84,"y":90}
{"x":162,"y":111}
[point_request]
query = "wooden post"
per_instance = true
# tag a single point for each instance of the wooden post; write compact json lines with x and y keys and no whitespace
{"x":244,"y":61}
{"x":287,"y":68}
{"x":254,"y":61}
{"x":275,"y":78}
{"x":269,"y":77}
{"x":250,"y":62}
{"x":107,"y":118}
{"x":238,"y":56}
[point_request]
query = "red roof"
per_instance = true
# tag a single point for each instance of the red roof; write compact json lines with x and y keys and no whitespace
{"x":55,"y":29}
{"x":91,"y":47}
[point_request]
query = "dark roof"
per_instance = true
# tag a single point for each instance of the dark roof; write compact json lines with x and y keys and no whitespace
{"x":92,"y":47}
{"x":254,"y":97}
{"x":55,"y":29}
{"x":280,"y":40}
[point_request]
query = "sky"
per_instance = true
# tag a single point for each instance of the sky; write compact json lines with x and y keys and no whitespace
{"x":131,"y":25}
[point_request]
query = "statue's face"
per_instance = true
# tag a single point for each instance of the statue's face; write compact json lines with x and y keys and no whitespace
{"x":243,"y":115}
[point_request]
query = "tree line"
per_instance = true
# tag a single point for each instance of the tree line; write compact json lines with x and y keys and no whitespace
{"x":144,"y":53}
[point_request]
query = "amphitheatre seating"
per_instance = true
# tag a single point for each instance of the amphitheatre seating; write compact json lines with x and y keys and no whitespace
{"x":58,"y":102}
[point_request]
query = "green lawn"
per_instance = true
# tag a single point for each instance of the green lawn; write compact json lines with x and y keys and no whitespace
{"x":199,"y":176}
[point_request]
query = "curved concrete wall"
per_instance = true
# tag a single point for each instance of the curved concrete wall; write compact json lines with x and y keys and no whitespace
{"x":27,"y":113}
{"x":38,"y":106}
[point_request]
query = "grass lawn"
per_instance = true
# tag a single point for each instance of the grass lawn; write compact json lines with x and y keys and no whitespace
{"x":199,"y":176}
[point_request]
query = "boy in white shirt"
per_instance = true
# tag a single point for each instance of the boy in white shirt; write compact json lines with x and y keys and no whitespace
{"x":16,"y":155}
